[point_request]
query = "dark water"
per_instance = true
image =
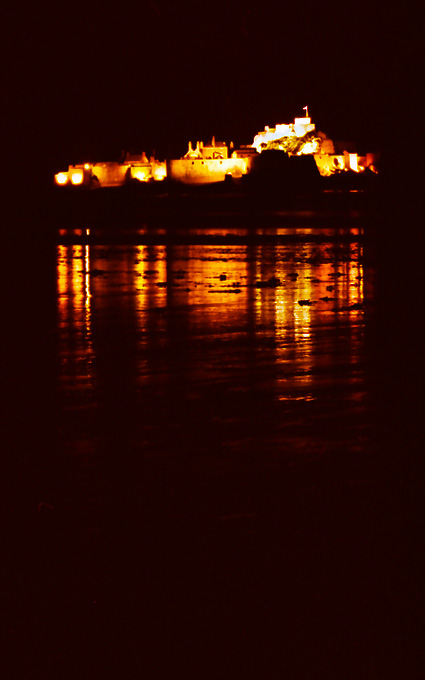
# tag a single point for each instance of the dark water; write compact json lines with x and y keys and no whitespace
{"x":207,"y":484}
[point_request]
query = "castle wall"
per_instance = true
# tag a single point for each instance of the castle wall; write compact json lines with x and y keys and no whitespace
{"x":141,"y":172}
{"x":206,"y":171}
{"x":110,"y":174}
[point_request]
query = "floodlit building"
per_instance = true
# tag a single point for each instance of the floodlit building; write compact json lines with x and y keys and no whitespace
{"x":209,"y":163}
{"x":300,"y":138}
{"x":113,"y":174}
{"x":279,"y":137}
{"x":216,"y":161}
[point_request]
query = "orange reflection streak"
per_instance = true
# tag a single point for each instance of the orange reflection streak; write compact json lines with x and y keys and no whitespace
{"x":87,"y":276}
{"x":74,"y":296}
{"x":217,"y":279}
{"x":87,"y":301}
{"x":150,"y":276}
{"x":78,"y":275}
{"x":150,"y":283}
{"x":324,"y":279}
{"x":355,"y":277}
{"x":161,"y":266}
{"x":258,"y":301}
{"x":62,"y":276}
{"x":71,"y":279}
{"x":302,"y":313}
{"x":140,"y":283}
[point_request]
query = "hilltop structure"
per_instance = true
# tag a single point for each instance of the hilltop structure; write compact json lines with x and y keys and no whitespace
{"x":296,"y":138}
{"x":300,"y":138}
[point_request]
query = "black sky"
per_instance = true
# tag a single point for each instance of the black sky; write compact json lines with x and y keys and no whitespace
{"x":82,"y":83}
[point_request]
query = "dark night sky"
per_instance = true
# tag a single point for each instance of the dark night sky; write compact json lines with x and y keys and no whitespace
{"x":88,"y":82}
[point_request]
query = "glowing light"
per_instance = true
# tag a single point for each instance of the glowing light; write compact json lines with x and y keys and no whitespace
{"x":310,"y":147}
{"x":140,"y":174}
{"x":87,"y":281}
{"x":61,"y":178}
{"x":353,"y":162}
{"x":159,"y":172}
{"x":74,"y":300}
{"x":62,"y":278}
{"x":77,"y":177}
{"x":86,"y":166}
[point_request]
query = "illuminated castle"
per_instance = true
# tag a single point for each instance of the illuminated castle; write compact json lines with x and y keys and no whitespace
{"x":113,"y":174}
{"x":296,"y":138}
{"x":300,"y":138}
{"x":209,"y":163}
{"x":215,"y":162}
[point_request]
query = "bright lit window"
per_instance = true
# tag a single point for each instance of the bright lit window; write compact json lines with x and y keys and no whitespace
{"x":77,"y":176}
{"x":61,"y":178}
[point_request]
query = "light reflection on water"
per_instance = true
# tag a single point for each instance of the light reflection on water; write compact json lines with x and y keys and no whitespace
{"x":210,"y":448}
{"x":193,"y":321}
{"x":149,"y":231}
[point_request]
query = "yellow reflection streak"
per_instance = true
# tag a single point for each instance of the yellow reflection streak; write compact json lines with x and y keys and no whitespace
{"x":73,"y":287}
{"x":87,"y":276}
{"x":77,"y":276}
{"x":140,"y":268}
{"x":281,"y":308}
{"x":150,"y":275}
{"x":319,"y":279}
{"x":71,"y":279}
{"x":87,"y":301}
{"x":62,"y":275}
{"x":218,"y":279}
{"x":302,"y":313}
{"x":355,"y":280}
{"x":160,"y":264}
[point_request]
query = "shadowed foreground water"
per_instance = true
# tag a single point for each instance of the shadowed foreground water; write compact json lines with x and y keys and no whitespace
{"x":204,"y":489}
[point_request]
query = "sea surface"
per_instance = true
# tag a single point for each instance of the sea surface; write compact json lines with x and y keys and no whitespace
{"x":202,"y":429}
